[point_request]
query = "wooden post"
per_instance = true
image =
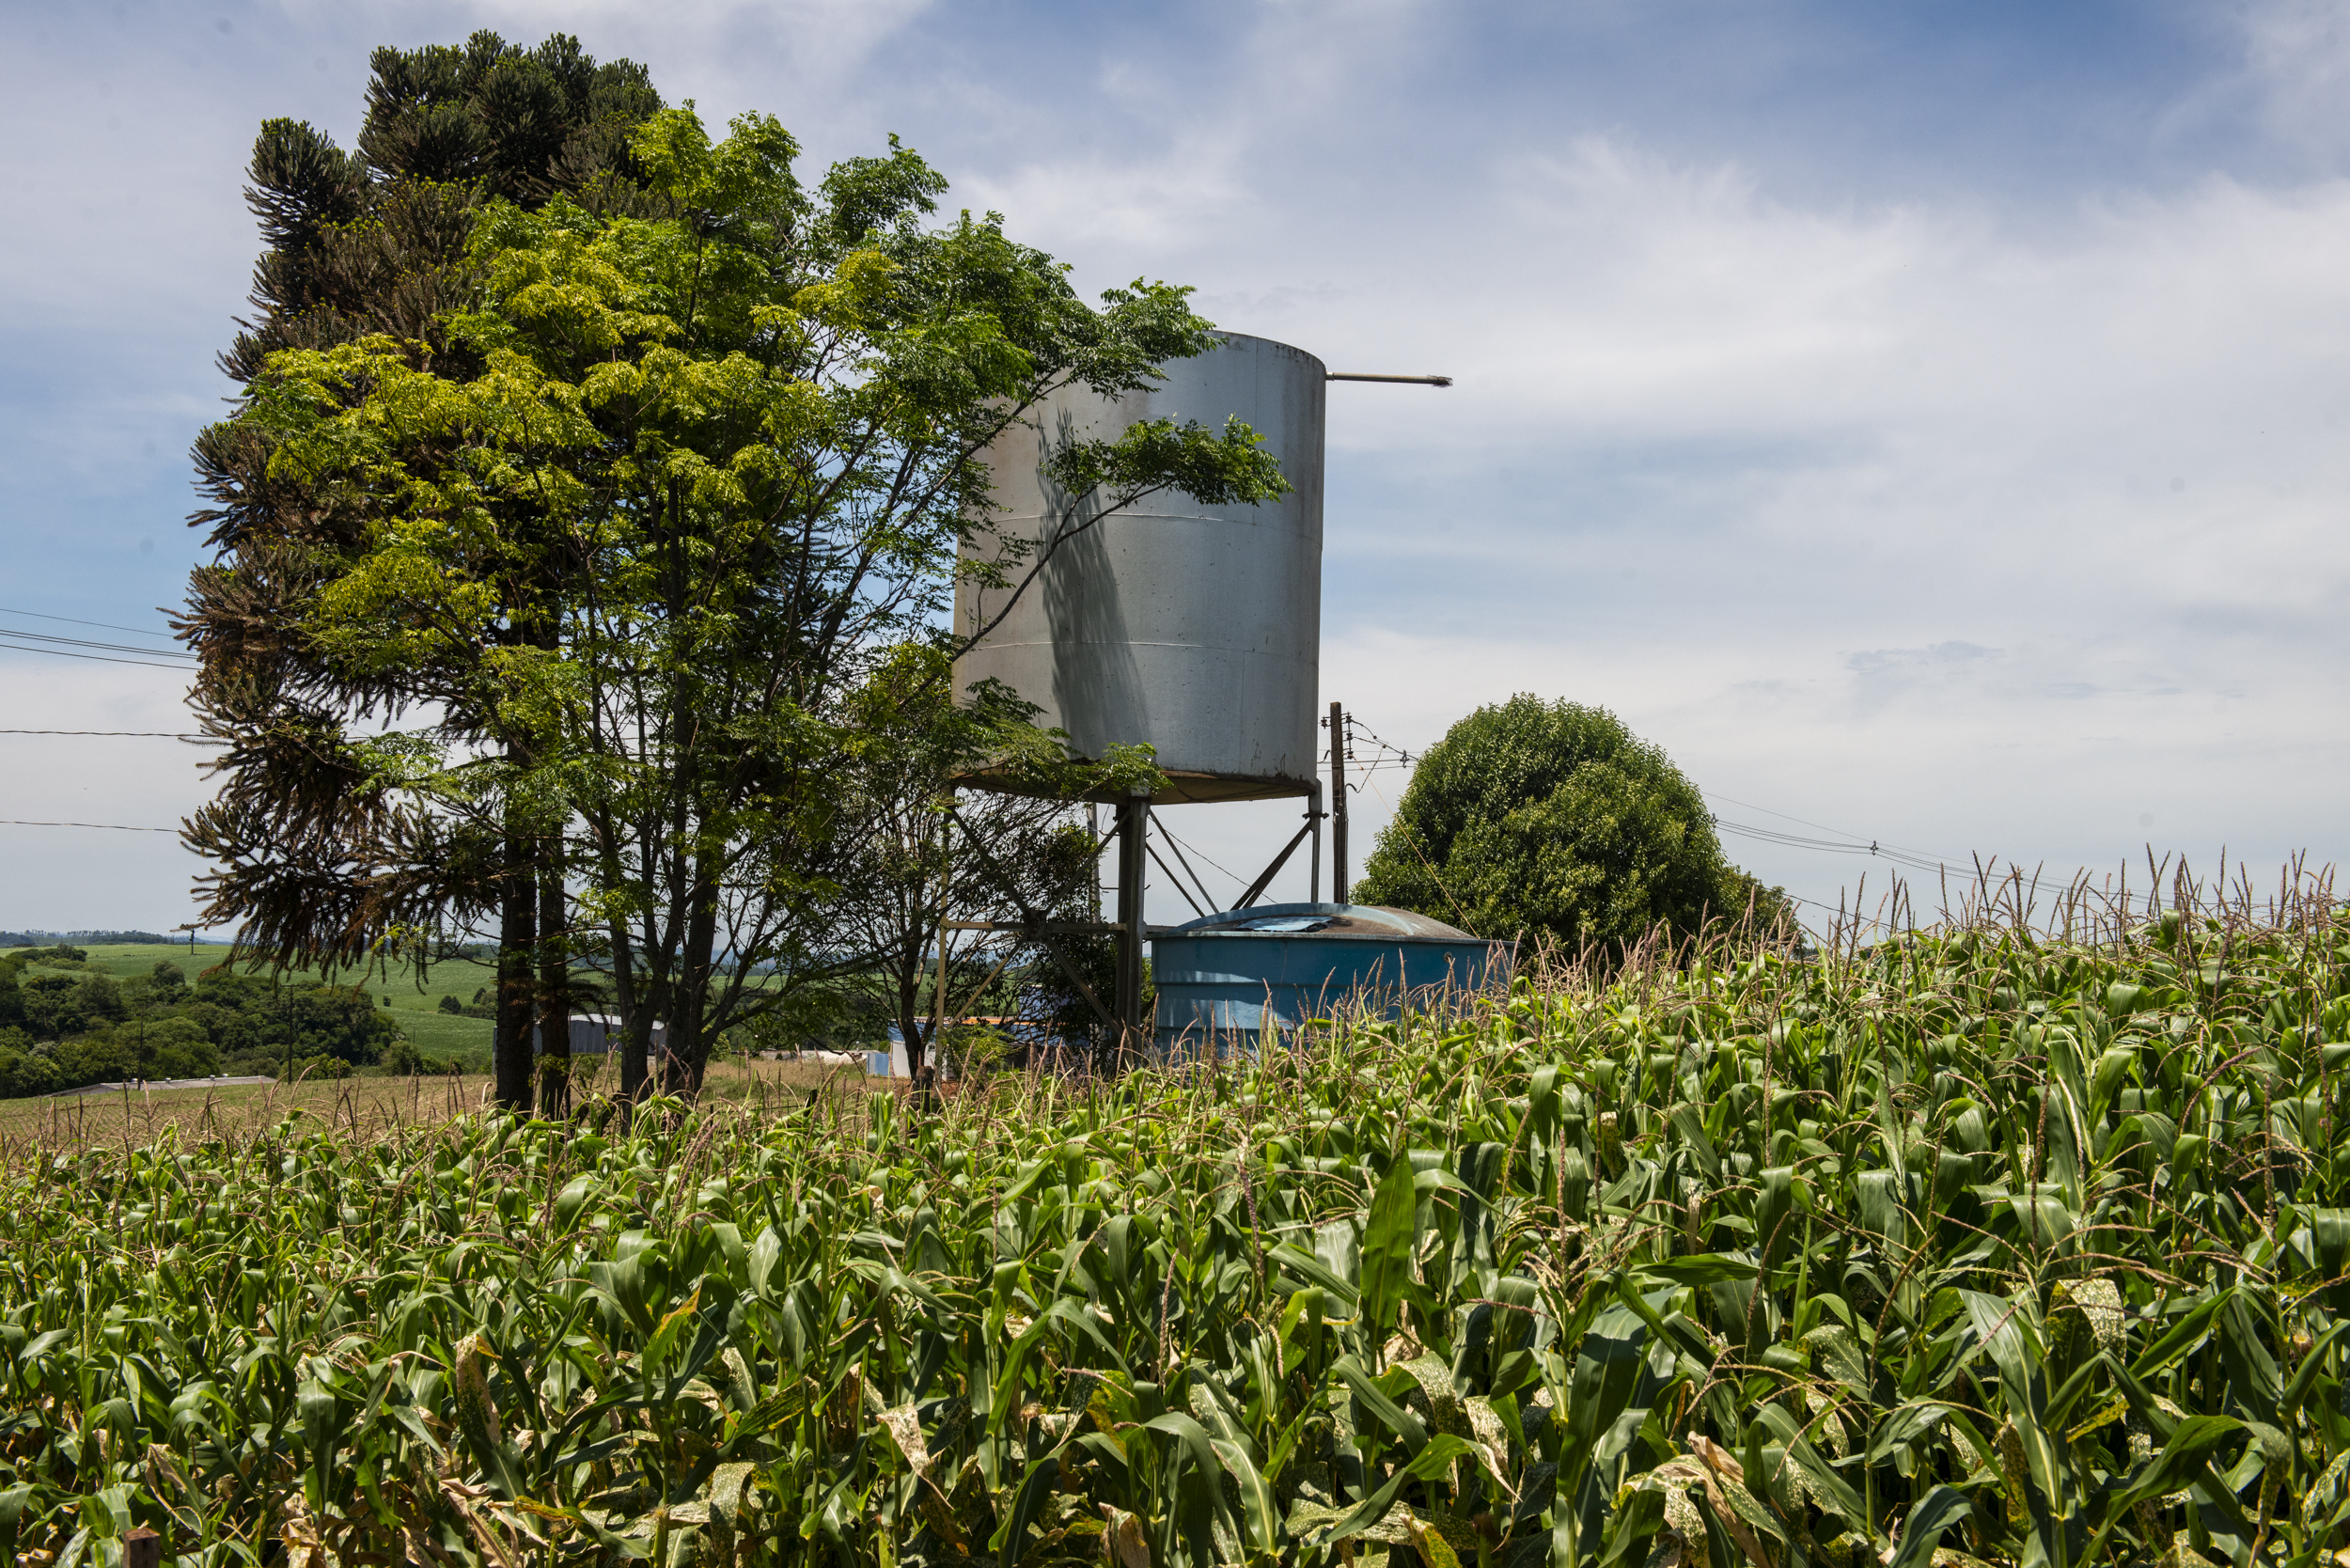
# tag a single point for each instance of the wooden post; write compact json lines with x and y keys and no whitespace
{"x":142,"y":1548}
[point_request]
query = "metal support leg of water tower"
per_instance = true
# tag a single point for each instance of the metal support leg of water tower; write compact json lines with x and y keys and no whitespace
{"x":1313,"y":873}
{"x":1134,"y":828}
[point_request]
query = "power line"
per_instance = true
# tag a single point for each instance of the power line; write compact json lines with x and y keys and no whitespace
{"x":63,"y":653}
{"x":1386,"y":756}
{"x":147,"y":734}
{"x":115,"y":827}
{"x":1831,"y":846}
{"x":85,"y":642}
{"x":1845,"y":832}
{"x":104,"y":625}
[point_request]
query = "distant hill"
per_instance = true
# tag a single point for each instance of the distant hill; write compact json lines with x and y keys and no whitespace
{"x":51,"y":938}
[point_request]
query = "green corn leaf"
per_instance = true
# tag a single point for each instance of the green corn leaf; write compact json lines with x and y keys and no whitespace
{"x":1433,"y":1463}
{"x":1313,"y":1270}
{"x":1011,"y":1540}
{"x":1406,"y":1426}
{"x":1258,"y":1511}
{"x":2185,"y":1459}
{"x":1391,"y":1238}
{"x":2305,"y":1376}
{"x":1698,"y":1269}
{"x":1921,"y":1532}
{"x":2181,"y":1336}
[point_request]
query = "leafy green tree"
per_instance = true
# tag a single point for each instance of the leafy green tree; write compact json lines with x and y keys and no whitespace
{"x":333,"y":1021}
{"x":313,"y":856}
{"x":710,"y":483}
{"x":1554,"y":820}
{"x":24,"y":1072}
{"x":58,"y":1006}
{"x":921,"y":859}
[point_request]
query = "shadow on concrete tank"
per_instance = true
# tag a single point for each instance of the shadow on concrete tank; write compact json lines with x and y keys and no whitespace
{"x":1231,"y":976}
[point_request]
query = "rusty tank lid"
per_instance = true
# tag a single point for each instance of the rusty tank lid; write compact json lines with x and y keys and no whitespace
{"x":1360,"y":922}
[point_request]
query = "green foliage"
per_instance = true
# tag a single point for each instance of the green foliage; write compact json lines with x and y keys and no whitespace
{"x":58,"y":1006}
{"x":1553,"y":821}
{"x":143,"y":1048}
{"x":62,"y":954}
{"x":88,"y":1028}
{"x":339,"y":1022}
{"x":403,"y":1060}
{"x":23,"y":1070}
{"x":1981,"y":1242}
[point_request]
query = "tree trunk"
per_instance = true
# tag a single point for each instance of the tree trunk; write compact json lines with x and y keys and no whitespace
{"x":555,"y":992}
{"x":910,"y":1031}
{"x":518,"y":941}
{"x":910,"y":1015}
{"x":689,"y":1053}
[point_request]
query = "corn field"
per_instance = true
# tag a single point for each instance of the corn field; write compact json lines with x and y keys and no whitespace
{"x":1980,"y":1244}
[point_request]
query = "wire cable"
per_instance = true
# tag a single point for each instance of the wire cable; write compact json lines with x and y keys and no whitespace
{"x":1828,"y":846}
{"x":148,"y":734}
{"x":113,"y":827}
{"x":1387,"y":755}
{"x":1159,"y":821}
{"x":85,"y":642}
{"x":102,"y":625}
{"x":104,"y":659}
{"x":1842,"y":832}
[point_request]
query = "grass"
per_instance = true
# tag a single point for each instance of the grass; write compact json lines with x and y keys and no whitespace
{"x":1980,"y":1244}
{"x":366,"y":1107}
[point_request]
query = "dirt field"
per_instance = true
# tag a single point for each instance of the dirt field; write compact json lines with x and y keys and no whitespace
{"x":370,"y":1106}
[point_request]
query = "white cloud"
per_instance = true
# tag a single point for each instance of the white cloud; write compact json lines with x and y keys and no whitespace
{"x":1957,"y":533}
{"x":2296,"y":63}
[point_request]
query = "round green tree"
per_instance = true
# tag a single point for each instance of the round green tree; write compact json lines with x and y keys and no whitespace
{"x":1552,"y":820}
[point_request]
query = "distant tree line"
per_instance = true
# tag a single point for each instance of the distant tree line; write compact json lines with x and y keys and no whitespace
{"x":64,"y":1024}
{"x":95,"y":938}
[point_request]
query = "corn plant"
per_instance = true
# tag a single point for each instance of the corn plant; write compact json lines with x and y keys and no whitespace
{"x":1980,"y":1243}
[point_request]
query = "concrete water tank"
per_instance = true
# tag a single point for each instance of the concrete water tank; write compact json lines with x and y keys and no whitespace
{"x":1195,"y":629}
{"x":1276,"y":966}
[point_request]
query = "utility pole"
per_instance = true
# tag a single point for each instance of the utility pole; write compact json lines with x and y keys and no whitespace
{"x":1338,"y":803}
{"x":1134,"y":828}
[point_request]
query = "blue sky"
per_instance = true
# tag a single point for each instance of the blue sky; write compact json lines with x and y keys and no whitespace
{"x":1925,"y":420}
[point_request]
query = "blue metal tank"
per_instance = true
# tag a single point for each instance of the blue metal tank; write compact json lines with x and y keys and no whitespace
{"x":1274,"y":967}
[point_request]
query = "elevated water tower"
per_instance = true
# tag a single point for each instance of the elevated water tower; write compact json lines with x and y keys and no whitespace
{"x":1195,"y":629}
